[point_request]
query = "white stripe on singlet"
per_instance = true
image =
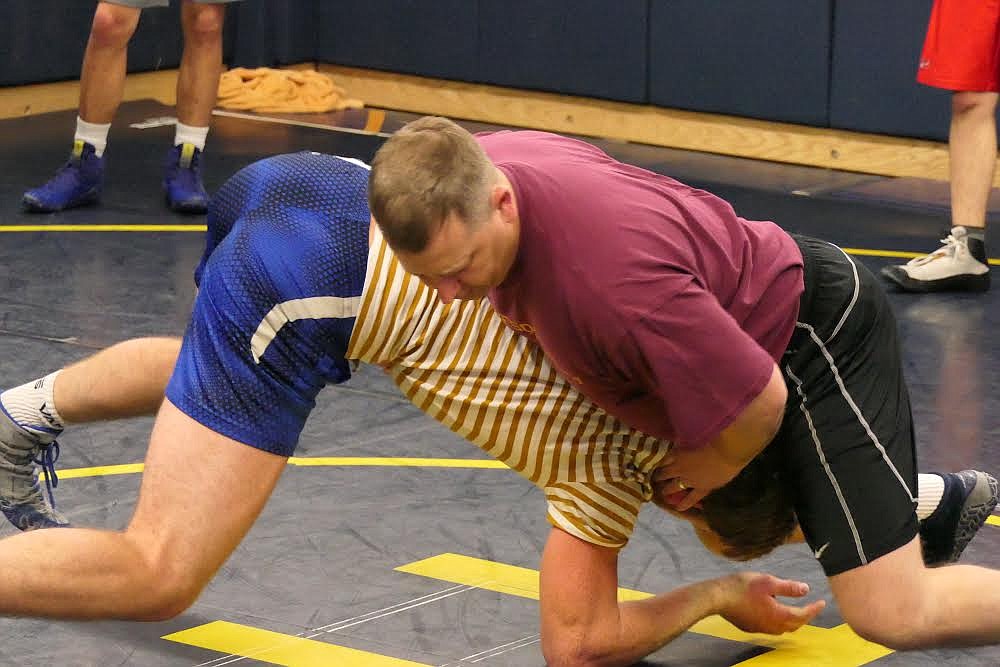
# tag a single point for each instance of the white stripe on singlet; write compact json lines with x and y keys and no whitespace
{"x":462,"y":366}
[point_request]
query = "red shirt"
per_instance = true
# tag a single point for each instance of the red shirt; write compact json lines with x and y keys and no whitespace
{"x":653,"y":298}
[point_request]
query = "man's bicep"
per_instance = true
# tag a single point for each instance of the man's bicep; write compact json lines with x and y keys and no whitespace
{"x":201,"y":492}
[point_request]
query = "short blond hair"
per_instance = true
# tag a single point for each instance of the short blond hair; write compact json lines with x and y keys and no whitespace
{"x":428,"y":170}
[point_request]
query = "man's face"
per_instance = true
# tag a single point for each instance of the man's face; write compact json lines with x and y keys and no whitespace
{"x":464,"y":261}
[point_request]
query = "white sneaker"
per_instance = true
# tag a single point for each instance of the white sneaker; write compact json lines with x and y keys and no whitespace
{"x":950,"y":267}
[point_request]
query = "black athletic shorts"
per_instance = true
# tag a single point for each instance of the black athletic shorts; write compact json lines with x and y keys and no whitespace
{"x":846,"y":446}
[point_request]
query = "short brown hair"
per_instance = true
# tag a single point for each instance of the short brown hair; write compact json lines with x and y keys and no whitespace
{"x":428,"y":170}
{"x":752,"y":514}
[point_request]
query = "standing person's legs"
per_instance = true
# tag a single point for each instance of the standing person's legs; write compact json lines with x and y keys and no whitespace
{"x":962,"y":54}
{"x":848,"y":454}
{"x":102,"y":83}
{"x":201,"y":62}
{"x":125,"y":380}
{"x":102,"y":76}
{"x":197,"y":90}
{"x":972,"y":150}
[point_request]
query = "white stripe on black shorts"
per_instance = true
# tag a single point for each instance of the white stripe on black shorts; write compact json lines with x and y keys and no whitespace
{"x":846,"y":446}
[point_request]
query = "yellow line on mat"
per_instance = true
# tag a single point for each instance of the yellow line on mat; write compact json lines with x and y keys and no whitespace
{"x":809,"y":645}
{"x":276,"y":648}
{"x":318,"y":461}
{"x":897,"y":254}
{"x":868,"y":252}
{"x":394,"y":461}
{"x":103,"y":228}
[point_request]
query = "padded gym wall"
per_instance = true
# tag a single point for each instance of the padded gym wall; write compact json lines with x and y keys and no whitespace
{"x":44,"y":41}
{"x":876,"y":51}
{"x":765,"y":59}
{"x":579,"y":47}
{"x":436,"y":39}
{"x":264,"y":33}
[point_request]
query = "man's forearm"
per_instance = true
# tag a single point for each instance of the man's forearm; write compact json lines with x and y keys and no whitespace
{"x":644,"y":626}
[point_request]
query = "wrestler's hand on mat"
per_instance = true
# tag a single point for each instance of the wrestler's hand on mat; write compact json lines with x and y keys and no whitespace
{"x":688,"y":475}
{"x":750,"y":603}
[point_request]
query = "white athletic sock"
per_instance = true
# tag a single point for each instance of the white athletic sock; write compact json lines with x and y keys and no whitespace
{"x":188,"y":134}
{"x":930,"y":489}
{"x":94,"y":134}
{"x":33,"y":408}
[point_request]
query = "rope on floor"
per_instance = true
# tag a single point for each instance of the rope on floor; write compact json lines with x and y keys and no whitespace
{"x":282,"y":91}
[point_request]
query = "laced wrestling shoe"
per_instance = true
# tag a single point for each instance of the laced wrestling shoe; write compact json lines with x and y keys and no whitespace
{"x":77,"y":183}
{"x":968,"y":500}
{"x":182,"y":180}
{"x":958,"y":265}
{"x":21,"y":498}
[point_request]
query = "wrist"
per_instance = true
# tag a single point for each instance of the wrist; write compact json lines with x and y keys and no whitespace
{"x":723,"y":593}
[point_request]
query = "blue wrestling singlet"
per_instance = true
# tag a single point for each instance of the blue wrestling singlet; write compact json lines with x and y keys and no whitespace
{"x":279,"y":287}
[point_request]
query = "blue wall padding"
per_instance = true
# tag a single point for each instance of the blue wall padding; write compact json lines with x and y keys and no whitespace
{"x":579,"y":47}
{"x":845,"y":64}
{"x":876,"y":50}
{"x":44,"y":41}
{"x":263,"y":33}
{"x":436,"y":39}
{"x":763,"y":59}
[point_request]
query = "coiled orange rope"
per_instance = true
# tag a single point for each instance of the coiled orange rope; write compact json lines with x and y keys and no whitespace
{"x":282,"y":91}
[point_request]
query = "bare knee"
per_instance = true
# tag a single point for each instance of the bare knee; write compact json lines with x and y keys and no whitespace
{"x":165,"y":587}
{"x":890,"y":625}
{"x":889,"y":600}
{"x":113,"y":25}
{"x":967,"y":103}
{"x":202,"y":23}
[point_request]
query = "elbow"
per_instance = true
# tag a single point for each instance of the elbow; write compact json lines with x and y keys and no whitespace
{"x":571,"y":650}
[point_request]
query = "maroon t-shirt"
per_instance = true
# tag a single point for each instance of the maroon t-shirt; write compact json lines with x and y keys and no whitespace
{"x":653,"y":298}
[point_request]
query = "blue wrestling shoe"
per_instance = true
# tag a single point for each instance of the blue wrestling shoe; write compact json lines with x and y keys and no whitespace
{"x":77,"y":183}
{"x":182,"y":180}
{"x":21,"y":498}
{"x":968,"y":500}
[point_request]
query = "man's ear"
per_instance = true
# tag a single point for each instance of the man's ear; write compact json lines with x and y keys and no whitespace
{"x":502,"y":199}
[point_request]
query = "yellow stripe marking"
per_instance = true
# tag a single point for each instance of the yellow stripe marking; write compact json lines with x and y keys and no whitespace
{"x":390,"y":461}
{"x":332,"y":461}
{"x":280,"y":649}
{"x":101,"y":471}
{"x":867,"y":252}
{"x":898,"y":254}
{"x":810,"y":645}
{"x":326,"y":461}
{"x":103,"y":228}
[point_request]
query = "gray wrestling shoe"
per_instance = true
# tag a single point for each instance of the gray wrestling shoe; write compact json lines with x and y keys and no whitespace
{"x":968,"y":500}
{"x":21,"y":498}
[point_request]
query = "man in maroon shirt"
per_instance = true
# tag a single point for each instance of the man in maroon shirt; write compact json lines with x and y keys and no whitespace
{"x":694,"y":325}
